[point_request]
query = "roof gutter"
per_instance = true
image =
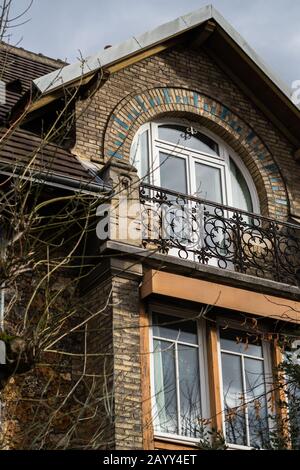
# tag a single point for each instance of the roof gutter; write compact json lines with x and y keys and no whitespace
{"x":70,"y":184}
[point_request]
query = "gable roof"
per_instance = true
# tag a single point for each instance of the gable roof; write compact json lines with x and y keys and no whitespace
{"x":205,"y":26}
{"x":51,"y":162}
{"x":162,"y":33}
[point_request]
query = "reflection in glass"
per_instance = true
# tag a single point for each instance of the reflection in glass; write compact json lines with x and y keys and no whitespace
{"x":140,"y":156}
{"x":208,"y":183}
{"x":244,"y":390}
{"x":165,"y":326}
{"x":172,"y":173}
{"x":239,"y":342}
{"x":234,"y":407}
{"x":293,"y":396}
{"x":179,"y":135}
{"x":177,"y":407}
{"x":241,"y":197}
{"x":165,"y":387}
{"x":257,"y":404}
{"x":190,"y":411}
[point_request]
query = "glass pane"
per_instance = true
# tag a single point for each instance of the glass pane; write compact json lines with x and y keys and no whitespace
{"x":172,"y":173}
{"x":165,"y":411}
{"x":241,"y":197}
{"x":169,"y":327}
{"x":140,"y":156}
{"x":208,"y":183}
{"x":190,"y":407}
{"x":256,"y":403}
{"x":144,"y":150}
{"x":178,"y":135}
{"x":293,"y":396}
{"x":238,"y":341}
{"x":234,"y":407}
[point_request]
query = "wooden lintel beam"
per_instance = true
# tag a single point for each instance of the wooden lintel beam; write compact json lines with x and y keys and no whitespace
{"x":224,"y":296}
{"x":47,"y":99}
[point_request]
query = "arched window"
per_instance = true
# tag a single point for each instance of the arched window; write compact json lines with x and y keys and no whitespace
{"x":191,"y":160}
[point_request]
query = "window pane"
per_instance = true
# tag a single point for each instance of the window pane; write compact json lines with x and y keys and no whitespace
{"x":172,"y":173}
{"x":190,"y":409}
{"x":144,"y":149}
{"x":238,"y":341}
{"x":165,"y":326}
{"x":178,"y":135}
{"x":241,"y":197}
{"x":208,"y":183}
{"x":165,"y":412}
{"x":293,"y":395}
{"x":140,"y":156}
{"x":234,"y":407}
{"x":256,"y":403}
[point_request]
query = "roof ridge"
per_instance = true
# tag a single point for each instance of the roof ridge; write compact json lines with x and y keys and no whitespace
{"x":36,"y":56}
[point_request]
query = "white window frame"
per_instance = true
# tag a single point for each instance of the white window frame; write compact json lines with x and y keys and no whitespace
{"x":190,"y":155}
{"x":203,"y":373}
{"x":268,"y":376}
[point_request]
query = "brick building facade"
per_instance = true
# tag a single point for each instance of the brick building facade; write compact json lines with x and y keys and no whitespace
{"x":241,"y":273}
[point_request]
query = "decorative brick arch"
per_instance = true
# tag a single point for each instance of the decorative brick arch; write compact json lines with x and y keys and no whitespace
{"x":134,"y":111}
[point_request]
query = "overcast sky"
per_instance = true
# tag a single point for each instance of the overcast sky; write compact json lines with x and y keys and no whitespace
{"x":59,"y":28}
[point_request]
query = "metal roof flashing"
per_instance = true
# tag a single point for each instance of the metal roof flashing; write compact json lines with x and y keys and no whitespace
{"x":74,"y":72}
{"x":66,"y":75}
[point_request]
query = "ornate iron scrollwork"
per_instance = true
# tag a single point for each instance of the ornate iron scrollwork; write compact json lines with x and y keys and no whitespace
{"x":211,"y":233}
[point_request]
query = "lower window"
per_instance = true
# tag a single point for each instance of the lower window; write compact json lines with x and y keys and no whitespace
{"x":180,"y":394}
{"x":245,"y":400}
{"x":177,"y":376}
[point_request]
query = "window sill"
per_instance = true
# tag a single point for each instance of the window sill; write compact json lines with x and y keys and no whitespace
{"x":192,"y":443}
{"x":174,"y":439}
{"x":239,"y":447}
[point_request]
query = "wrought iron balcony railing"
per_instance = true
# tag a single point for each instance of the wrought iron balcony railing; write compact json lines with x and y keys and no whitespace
{"x":222,"y":236}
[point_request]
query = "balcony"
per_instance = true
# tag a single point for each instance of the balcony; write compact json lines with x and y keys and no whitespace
{"x":221,"y":236}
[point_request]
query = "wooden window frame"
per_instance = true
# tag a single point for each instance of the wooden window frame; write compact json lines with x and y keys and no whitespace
{"x":213,"y":379}
{"x":268,"y":376}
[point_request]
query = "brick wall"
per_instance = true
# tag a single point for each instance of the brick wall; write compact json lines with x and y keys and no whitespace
{"x":114,"y":335}
{"x":194,"y":71}
{"x":114,"y":348}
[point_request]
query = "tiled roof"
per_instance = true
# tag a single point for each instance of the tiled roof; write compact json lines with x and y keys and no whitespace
{"x":22,"y":148}
{"x":23,"y":66}
{"x":17,"y":69}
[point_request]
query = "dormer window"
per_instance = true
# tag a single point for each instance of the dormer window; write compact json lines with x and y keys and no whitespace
{"x":191,"y":160}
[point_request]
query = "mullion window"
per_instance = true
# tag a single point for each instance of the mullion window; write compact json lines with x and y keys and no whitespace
{"x":244,"y":395}
{"x":244,"y":355}
{"x":176,"y":385}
